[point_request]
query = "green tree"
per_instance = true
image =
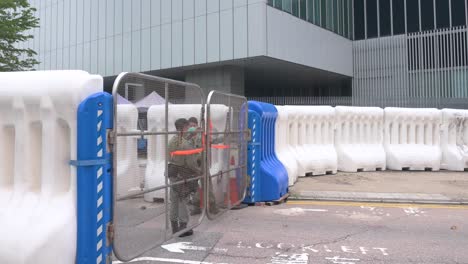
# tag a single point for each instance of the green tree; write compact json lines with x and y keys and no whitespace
{"x":16,"y":18}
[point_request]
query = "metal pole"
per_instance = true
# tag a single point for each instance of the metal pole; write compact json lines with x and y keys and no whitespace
{"x":450,"y":13}
{"x":435,"y":13}
{"x":365,"y":19}
{"x":420,"y":15}
{"x":406,"y":19}
{"x":378,"y":18}
{"x":391,"y":17}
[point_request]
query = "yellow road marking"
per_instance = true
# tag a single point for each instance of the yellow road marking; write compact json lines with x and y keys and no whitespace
{"x":386,"y":205}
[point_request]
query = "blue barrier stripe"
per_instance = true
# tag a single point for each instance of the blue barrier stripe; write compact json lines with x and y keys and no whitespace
{"x":87,"y":163}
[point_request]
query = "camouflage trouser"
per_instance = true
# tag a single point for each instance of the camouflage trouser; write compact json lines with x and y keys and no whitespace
{"x":212,"y":199}
{"x":179,"y":211}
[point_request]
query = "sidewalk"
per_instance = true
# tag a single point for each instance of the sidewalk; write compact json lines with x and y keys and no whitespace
{"x":385,"y":186}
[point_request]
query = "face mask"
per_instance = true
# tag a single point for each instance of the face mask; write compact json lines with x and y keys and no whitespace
{"x":192,"y":129}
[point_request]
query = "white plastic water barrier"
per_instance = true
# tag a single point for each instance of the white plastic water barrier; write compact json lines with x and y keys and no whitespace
{"x":127,"y":152}
{"x":454,"y":139}
{"x":412,"y":138}
{"x":155,"y":167}
{"x":38,"y":138}
{"x":359,"y":138}
{"x":283,"y":149}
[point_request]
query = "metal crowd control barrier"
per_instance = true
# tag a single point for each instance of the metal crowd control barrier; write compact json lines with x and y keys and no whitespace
{"x":154,"y":195}
{"x":226,"y":142}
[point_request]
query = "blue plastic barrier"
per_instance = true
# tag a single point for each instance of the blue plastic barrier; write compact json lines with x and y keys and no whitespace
{"x":94,"y":179}
{"x":268,"y":177}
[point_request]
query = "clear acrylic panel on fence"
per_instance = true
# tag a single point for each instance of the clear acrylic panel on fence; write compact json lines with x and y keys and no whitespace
{"x":227,"y":136}
{"x":159,"y":161}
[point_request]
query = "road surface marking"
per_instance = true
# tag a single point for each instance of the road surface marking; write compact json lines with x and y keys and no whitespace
{"x":179,"y":247}
{"x":338,"y":260}
{"x":295,"y":211}
{"x":165,"y":260}
{"x":386,"y":205}
{"x":286,"y":259}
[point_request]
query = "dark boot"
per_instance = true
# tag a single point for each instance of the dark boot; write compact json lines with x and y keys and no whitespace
{"x":175,"y":227}
{"x":182,"y":226}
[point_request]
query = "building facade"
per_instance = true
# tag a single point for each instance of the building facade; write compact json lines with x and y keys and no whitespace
{"x":348,"y":52}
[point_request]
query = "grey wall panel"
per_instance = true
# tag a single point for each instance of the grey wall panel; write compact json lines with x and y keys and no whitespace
{"x":225,"y":4}
{"x":118,"y":54}
{"x":127,"y":16}
{"x":226,"y":35}
{"x":135,"y":52}
{"x":109,"y":56}
{"x":155,"y":12}
{"x":177,"y":10}
{"x":79,"y":22}
{"x":189,"y":42}
{"x":53,"y":31}
{"x":127,"y":51}
{"x":72,"y":58}
{"x":145,"y":53}
{"x":59,"y":59}
{"x":87,"y":55}
{"x":257,"y":29}
{"x":200,"y":39}
{"x":111,"y":17}
{"x":166,"y":11}
{"x":212,"y":6}
{"x":94,"y":56}
{"x":166,"y":46}
{"x":177,"y":41}
{"x":189,"y":8}
{"x":53,"y":60}
{"x":101,"y":56}
{"x":48,"y":28}
{"x":79,"y":56}
{"x":200,"y":7}
{"x":156,"y":47}
{"x":102,"y":14}
{"x":213,"y":37}
{"x":94,"y":19}
{"x":145,"y":14}
{"x":60,"y":24}
{"x":66,"y":58}
{"x":119,"y":17}
{"x":136,"y":14}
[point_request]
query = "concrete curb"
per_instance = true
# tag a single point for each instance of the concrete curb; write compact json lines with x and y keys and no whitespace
{"x":375,"y":198}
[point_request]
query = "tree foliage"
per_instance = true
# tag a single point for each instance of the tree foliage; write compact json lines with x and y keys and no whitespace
{"x":16,"y":18}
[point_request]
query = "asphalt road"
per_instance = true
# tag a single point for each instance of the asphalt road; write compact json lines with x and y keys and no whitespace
{"x":302,"y":232}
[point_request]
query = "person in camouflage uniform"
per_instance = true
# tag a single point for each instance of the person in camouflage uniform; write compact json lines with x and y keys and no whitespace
{"x":196,"y":141}
{"x":182,"y":167}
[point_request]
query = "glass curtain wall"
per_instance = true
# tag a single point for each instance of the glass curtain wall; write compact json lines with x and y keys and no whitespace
{"x":379,"y":18}
{"x":334,"y":15}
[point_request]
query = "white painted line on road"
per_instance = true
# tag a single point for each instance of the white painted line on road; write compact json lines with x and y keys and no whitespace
{"x":338,"y":260}
{"x":166,"y":260}
{"x":286,"y":259}
{"x":295,"y":211}
{"x":179,"y":247}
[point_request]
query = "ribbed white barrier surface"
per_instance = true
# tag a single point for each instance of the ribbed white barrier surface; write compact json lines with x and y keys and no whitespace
{"x":295,"y":119}
{"x":38,"y":137}
{"x":412,"y":138}
{"x":155,"y":167}
{"x":454,"y":139}
{"x":282,"y":148}
{"x":359,"y":138}
{"x":127,"y":152}
{"x":319,"y":133}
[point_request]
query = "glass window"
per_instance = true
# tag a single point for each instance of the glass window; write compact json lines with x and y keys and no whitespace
{"x":427,"y":15}
{"x":317,"y":12}
{"x":458,"y":13}
{"x":398,"y":16}
{"x":371,"y":14}
{"x":302,"y":9}
{"x":442,"y":14}
{"x":278,"y":4}
{"x":346,"y":19}
{"x":336,"y":19}
{"x":412,"y":15}
{"x":295,"y":7}
{"x":329,"y":15}
{"x":323,"y":10}
{"x":359,"y":19}
{"x":270,"y":2}
{"x":310,"y":11}
{"x":384,"y":18}
{"x":287,"y":6}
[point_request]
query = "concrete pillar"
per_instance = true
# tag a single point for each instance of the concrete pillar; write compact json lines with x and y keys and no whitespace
{"x":228,"y":79}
